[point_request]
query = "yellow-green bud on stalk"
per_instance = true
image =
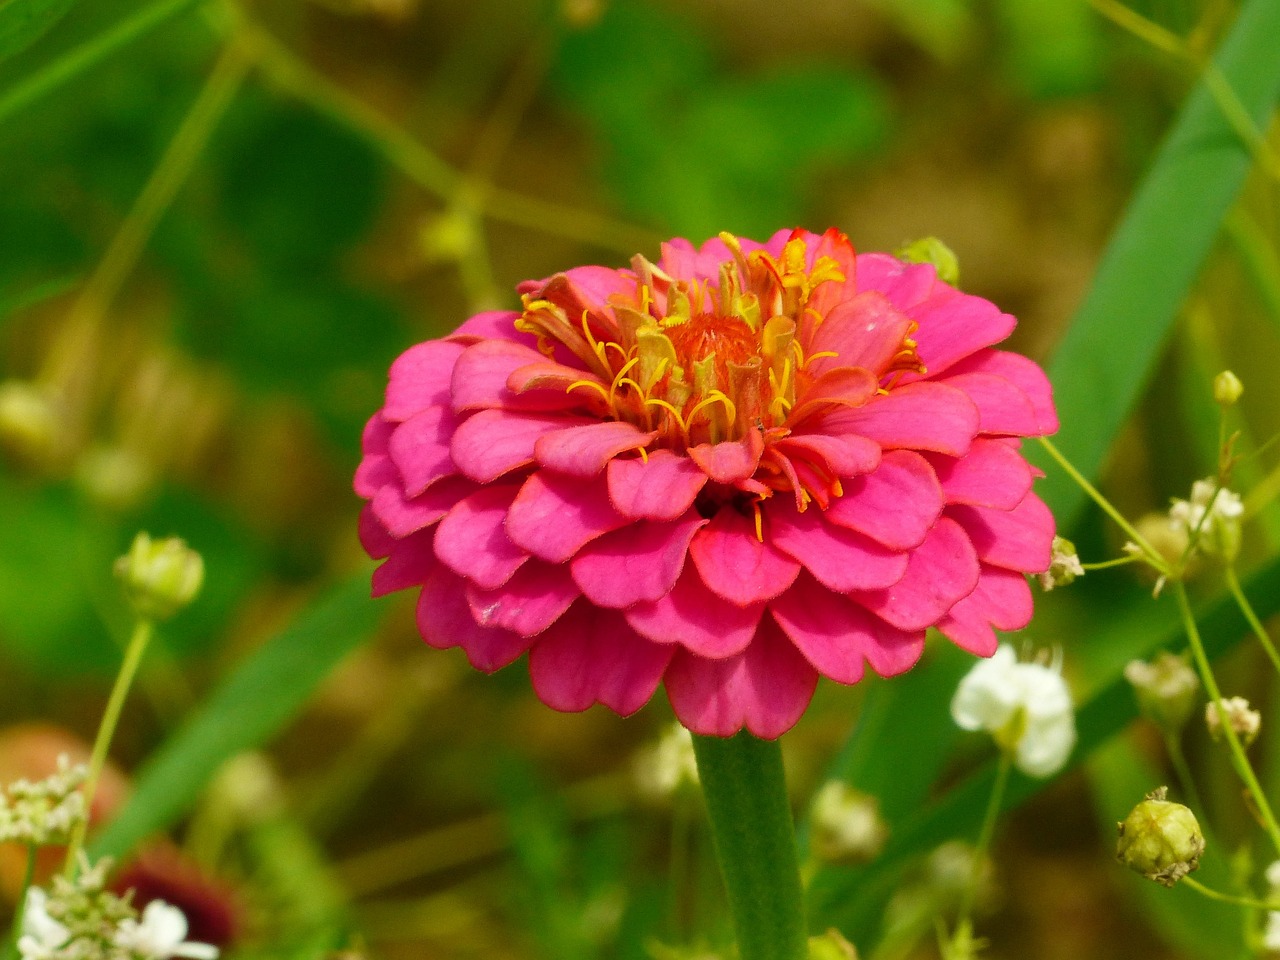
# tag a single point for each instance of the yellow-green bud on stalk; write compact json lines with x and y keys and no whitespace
{"x":831,"y":946}
{"x":1244,"y":720}
{"x":1160,"y":839}
{"x":160,"y":577}
{"x":1166,"y":689}
{"x":934,"y":251}
{"x":1064,"y":566}
{"x":29,"y":422}
{"x":1227,"y":388}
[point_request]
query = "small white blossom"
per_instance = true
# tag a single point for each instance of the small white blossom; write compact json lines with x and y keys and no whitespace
{"x":1064,"y":565}
{"x":160,"y":935}
{"x":1244,"y":720}
{"x":1026,"y":707}
{"x":847,"y":827}
{"x":42,"y":936}
{"x":1212,"y":517}
{"x":44,"y":812}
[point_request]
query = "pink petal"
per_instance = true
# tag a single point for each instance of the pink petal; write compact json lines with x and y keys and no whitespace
{"x":843,"y":387}
{"x":954,"y":326}
{"x":1019,"y":539}
{"x":895,"y":504}
{"x":991,"y":474}
{"x":533,"y":599}
{"x":836,"y":635}
{"x":660,"y":488}
{"x":445,"y":621}
{"x":1025,"y":374}
{"x":549,"y":375}
{"x":864,"y":331}
{"x":941,"y":571}
{"x":490,"y":325}
{"x":480,"y":380}
{"x":915,"y":416}
{"x":553,"y":516}
{"x":735,"y":564}
{"x":375,"y":472}
{"x":842,"y":456}
{"x":584,"y":451}
{"x":492,"y":442}
{"x":1003,"y":409}
{"x":420,"y":378}
{"x":841,"y":559}
{"x":905,"y":284}
{"x":401,"y":517}
{"x":764,"y":689}
{"x":472,"y":540}
{"x":410,"y":562}
{"x":732,"y":461}
{"x":636,"y":564}
{"x":593,"y":656}
{"x":374,"y":538}
{"x":1001,"y":599}
{"x":420,"y":448}
{"x":698,"y":620}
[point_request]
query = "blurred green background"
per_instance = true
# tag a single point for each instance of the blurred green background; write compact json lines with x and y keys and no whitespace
{"x":221,"y":222}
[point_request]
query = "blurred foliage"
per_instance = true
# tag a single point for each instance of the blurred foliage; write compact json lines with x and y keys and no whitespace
{"x":382,"y":168}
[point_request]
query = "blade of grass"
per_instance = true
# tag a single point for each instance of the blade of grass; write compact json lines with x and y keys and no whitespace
{"x":1155,"y":254}
{"x":251,"y":706}
{"x":23,"y":22}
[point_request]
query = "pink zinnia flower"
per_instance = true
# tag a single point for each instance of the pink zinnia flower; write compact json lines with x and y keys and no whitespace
{"x":729,"y":472}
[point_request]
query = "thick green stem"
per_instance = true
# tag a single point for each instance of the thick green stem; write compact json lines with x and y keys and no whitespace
{"x":106,"y":731}
{"x":746,"y":793}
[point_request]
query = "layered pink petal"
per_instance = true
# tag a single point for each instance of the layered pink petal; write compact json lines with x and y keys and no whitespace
{"x":535,"y":597}
{"x":694,"y":617}
{"x":400,"y":516}
{"x":420,"y":378}
{"x":730,"y":462}
{"x":865,"y":331}
{"x":480,"y":377}
{"x":1019,"y":539}
{"x":554,"y":516}
{"x":472,"y":540}
{"x":583,"y":451}
{"x":660,"y":487}
{"x":904,"y":284}
{"x":637,"y":564}
{"x":843,"y":456}
{"x":1024,"y":374}
{"x":490,"y":325}
{"x":915,"y":416}
{"x":408,"y":564}
{"x":1003,"y":409}
{"x":895,"y":505}
{"x":374,"y":538}
{"x":444,"y":620}
{"x":843,"y":387}
{"x":592,"y":656}
{"x":992,"y":474}
{"x":940,"y":571}
{"x":836,"y":635}
{"x":954,"y":326}
{"x":839,"y":558}
{"x":764,"y":689}
{"x":1002,"y":599}
{"x":419,"y":448}
{"x":736,"y":564}
{"x":490,"y":443}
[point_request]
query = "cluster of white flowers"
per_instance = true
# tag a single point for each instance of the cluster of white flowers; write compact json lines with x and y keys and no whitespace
{"x":1064,"y":566}
{"x":44,"y":812}
{"x":1212,"y":518}
{"x":81,"y":920}
{"x":1026,"y":707}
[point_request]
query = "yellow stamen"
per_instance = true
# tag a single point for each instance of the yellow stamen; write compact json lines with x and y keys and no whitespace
{"x":755,"y":506}
{"x":593,"y":385}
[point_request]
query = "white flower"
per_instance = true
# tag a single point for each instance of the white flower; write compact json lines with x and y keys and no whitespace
{"x":1215,"y":513}
{"x":161,"y":935}
{"x":1271,"y":934}
{"x":1025,"y":706}
{"x":42,"y":936}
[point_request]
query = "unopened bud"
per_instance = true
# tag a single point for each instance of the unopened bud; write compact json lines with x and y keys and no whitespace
{"x":831,"y":946}
{"x":1160,"y":839}
{"x":1227,"y":388}
{"x":934,"y":251}
{"x":1245,"y":721}
{"x":160,"y":577}
{"x":1166,"y":690}
{"x":847,"y":827}
{"x":1064,"y":566}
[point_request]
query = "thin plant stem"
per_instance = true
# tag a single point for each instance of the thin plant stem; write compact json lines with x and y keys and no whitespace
{"x":138,"y":642}
{"x":1105,"y":504}
{"x":985,"y":834}
{"x":1238,"y":759}
{"x":745,"y":788}
{"x":1107,"y":564}
{"x":1231,"y":898}
{"x":1246,"y":608}
{"x":28,"y":874}
{"x":1182,"y":770}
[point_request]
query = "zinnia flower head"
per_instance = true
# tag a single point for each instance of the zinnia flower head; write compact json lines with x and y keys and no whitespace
{"x":729,"y":472}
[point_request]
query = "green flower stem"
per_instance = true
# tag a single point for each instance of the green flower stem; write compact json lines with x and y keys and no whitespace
{"x":1238,"y":758}
{"x":1246,"y":608}
{"x":985,"y":834}
{"x":1212,"y":894}
{"x":20,"y":910}
{"x":1182,"y":770}
{"x":746,"y":793}
{"x":138,"y":642}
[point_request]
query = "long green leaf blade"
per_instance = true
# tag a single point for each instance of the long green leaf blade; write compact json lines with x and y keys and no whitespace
{"x":23,"y":22}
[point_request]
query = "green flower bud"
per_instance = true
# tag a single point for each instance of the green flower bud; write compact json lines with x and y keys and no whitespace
{"x":1160,"y":839}
{"x":1166,"y":690}
{"x":1227,"y":388}
{"x":160,"y":577}
{"x":1064,"y":565}
{"x":934,"y":251}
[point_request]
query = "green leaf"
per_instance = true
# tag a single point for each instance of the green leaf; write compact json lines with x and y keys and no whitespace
{"x":250,"y":707}
{"x":23,"y":22}
{"x":1109,"y":352}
